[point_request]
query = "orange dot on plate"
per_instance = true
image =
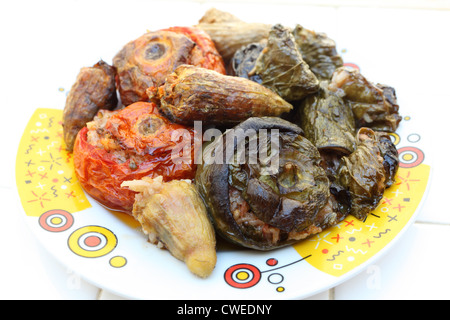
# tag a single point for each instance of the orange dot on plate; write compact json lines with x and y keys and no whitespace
{"x":92,"y":241}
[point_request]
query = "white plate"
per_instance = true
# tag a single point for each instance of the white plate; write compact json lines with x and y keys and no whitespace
{"x":109,"y":250}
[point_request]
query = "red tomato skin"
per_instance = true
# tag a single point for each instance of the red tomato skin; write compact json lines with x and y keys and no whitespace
{"x":101,"y":175}
{"x":212,"y":59}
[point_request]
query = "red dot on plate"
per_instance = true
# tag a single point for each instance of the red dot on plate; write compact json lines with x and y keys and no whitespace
{"x":92,"y":241}
{"x":272,"y":262}
{"x":325,"y":251}
{"x":55,"y":180}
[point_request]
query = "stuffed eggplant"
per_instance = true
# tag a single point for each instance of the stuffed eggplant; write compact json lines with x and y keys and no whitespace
{"x":374,"y":105}
{"x":257,"y":205}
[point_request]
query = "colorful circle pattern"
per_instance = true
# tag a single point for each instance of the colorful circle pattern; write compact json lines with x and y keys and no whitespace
{"x":410,"y":157}
{"x":92,"y":241}
{"x":56,"y":220}
{"x":242,"y":275}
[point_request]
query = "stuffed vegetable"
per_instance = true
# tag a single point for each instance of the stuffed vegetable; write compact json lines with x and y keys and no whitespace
{"x":279,"y":65}
{"x":192,"y":93}
{"x":327,"y":121}
{"x":230,"y":33}
{"x":173,"y":216}
{"x":282,"y":68}
{"x":319,"y":52}
{"x":94,"y":89}
{"x":146,"y":61}
{"x":362,"y":174}
{"x":374,"y":105}
{"x":128,"y":144}
{"x":389,"y":153}
{"x":265,"y":209}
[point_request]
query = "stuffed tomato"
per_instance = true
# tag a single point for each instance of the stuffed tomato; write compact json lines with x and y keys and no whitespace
{"x":146,"y":61}
{"x":129,"y":144}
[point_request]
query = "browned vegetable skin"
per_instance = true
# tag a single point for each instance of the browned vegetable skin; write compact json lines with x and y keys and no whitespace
{"x":282,"y":68}
{"x":374,"y":105}
{"x":198,"y":94}
{"x":94,"y":89}
{"x":327,"y":121}
{"x":319,"y":52}
{"x":229,"y":33}
{"x":214,"y":15}
{"x":174,"y":216}
{"x":363,"y":174}
{"x":146,"y":61}
{"x":266,"y":210}
{"x":389,"y":153}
